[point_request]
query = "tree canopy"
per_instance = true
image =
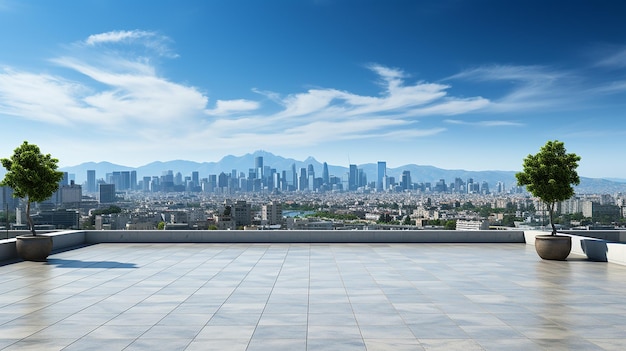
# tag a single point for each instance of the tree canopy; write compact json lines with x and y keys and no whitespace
{"x":550,"y":174}
{"x":32,"y":175}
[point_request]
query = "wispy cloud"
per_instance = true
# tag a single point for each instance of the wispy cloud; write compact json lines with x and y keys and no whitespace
{"x":484,"y":123}
{"x":226,"y":107}
{"x":527,"y":87}
{"x":151,"y":40}
{"x":616,"y":59}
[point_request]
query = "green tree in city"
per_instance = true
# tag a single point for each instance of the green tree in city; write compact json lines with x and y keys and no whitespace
{"x":549,"y":175}
{"x":450,"y":224}
{"x":407,"y":220}
{"x":32,"y":175}
{"x":161,"y":225}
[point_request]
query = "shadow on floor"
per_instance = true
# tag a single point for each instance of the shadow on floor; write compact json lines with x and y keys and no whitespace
{"x":88,"y":264}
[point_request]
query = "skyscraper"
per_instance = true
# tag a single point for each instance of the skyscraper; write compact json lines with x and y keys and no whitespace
{"x":107,"y":193}
{"x":353,"y":178}
{"x":91,"y":181}
{"x":258,"y":166}
{"x":406,"y":182}
{"x":381,"y":180}
{"x":325,"y":175}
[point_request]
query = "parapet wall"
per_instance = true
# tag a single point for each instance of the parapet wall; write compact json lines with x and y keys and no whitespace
{"x":69,"y":239}
{"x":595,"y":249}
{"x":305,"y":236}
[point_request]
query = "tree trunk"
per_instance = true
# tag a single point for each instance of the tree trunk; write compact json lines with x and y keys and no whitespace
{"x":30,"y":220}
{"x":551,"y":210}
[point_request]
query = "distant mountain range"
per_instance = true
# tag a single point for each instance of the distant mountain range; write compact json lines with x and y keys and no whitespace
{"x":419,"y":173}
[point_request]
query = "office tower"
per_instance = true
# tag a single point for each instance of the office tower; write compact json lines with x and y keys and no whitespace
{"x":91,"y":181}
{"x":107,"y":193}
{"x":353,"y":180}
{"x":222,"y":180}
{"x":311,"y":177}
{"x":178,"y":178}
{"x":133,"y":180}
{"x":406,"y":180}
{"x":212,"y":184}
{"x":381,"y":176}
{"x":325,"y":175}
{"x":484,"y":188}
{"x":65,"y":180}
{"x":294,"y":176}
{"x":146,"y":184}
{"x":195,"y":179}
{"x":258,"y":166}
{"x":125,"y":180}
{"x":302,"y":181}
{"x":362,"y":178}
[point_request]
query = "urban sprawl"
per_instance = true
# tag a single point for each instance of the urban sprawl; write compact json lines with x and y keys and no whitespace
{"x":264,"y":198}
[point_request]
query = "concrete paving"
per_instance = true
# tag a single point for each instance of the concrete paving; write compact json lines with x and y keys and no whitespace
{"x":311,"y":297}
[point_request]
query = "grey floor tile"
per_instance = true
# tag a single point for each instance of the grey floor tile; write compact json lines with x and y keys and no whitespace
{"x":356,"y":344}
{"x":151,"y":344}
{"x":95,"y":344}
{"x":393,"y":345}
{"x":341,"y":332}
{"x":264,"y":344}
{"x":280,"y":332}
{"x":218,"y":345}
{"x":235,"y":332}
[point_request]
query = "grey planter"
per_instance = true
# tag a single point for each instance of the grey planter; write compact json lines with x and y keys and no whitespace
{"x":33,"y":248}
{"x":553,"y":247}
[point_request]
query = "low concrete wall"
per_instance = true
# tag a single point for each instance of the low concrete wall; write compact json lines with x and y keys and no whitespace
{"x":594,"y":249}
{"x":69,"y":239}
{"x":610,"y":235}
{"x":305,"y":236}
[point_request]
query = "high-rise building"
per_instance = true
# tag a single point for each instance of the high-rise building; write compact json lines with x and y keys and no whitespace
{"x":195,"y":179}
{"x":353,"y":178}
{"x":406,"y":183}
{"x":302,"y":180}
{"x":325,"y":175}
{"x":133,"y":180}
{"x":311,"y":177}
{"x":381,"y":178}
{"x":65,"y":180}
{"x":107,"y":193}
{"x":91,"y":181}
{"x":258,"y":166}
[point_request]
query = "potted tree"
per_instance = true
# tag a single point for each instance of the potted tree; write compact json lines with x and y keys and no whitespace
{"x":549,"y":175}
{"x":33,"y":177}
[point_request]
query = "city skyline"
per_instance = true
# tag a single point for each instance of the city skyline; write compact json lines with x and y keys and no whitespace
{"x":350,"y":176}
{"x":454,"y":85}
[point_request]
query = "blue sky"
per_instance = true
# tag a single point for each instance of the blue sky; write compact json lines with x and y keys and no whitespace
{"x":473,"y":85}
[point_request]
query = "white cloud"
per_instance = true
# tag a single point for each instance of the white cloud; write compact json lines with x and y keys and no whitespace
{"x":485,"y":123}
{"x":117,"y":36}
{"x":225,"y":107}
{"x":527,"y":87}
{"x":149,"y":40}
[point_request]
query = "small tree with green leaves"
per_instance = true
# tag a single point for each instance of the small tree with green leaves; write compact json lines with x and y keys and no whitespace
{"x":32,"y":175}
{"x":549,"y":175}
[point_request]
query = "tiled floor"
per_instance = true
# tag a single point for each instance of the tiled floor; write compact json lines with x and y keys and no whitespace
{"x":311,"y":297}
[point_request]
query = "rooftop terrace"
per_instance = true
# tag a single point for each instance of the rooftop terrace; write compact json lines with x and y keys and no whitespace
{"x":311,"y":296}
